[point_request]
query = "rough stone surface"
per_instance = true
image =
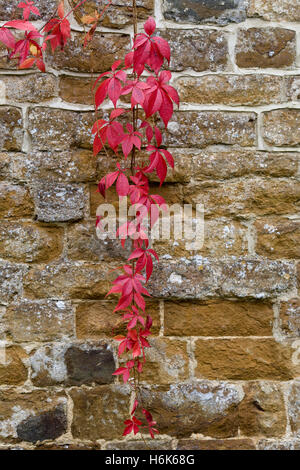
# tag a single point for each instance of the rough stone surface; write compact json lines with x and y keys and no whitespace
{"x":279,"y":10}
{"x":215,"y":444}
{"x":290,"y":318}
{"x":197,"y":49}
{"x":218,"y":318}
{"x":12,"y":367}
{"x":231,"y":90}
{"x":16,"y":201}
{"x":31,"y":414}
{"x":195,"y":408}
{"x":293,"y":88}
{"x":99,"y":412}
{"x":11,"y":278}
{"x":268,"y":444}
{"x":201,"y":129}
{"x":98,"y":57}
{"x":47,"y":320}
{"x":244,"y":359}
{"x":34,"y":88}
{"x":60,"y":129}
{"x":293,"y":407}
{"x":262,"y":412}
{"x":118,"y":15}
{"x":72,"y":364}
{"x":11,"y":132}
{"x":9,"y":11}
{"x":265,"y":48}
{"x":76,"y":90}
{"x":59,"y":202}
{"x":27,"y":242}
{"x":281,"y":127}
{"x":278,"y":238}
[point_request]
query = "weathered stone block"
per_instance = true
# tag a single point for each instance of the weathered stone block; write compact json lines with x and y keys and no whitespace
{"x":245,"y":198}
{"x":64,"y":281}
{"x":290,"y":318}
{"x":197,"y":49}
{"x":154,"y":444}
{"x":59,"y":129}
{"x":217,"y":318}
{"x":244,"y":359}
{"x":278,"y":238}
{"x":287,"y":444}
{"x":201,"y":407}
{"x":72,"y":364}
{"x":234,"y":163}
{"x":47,"y":320}
{"x":205,"y":11}
{"x":15,"y":201}
{"x":13,"y":370}
{"x":102,"y":52}
{"x":11,"y":278}
{"x":293,"y":88}
{"x":118,"y":15}
{"x":293,"y":408}
{"x":265,"y":47}
{"x":99,"y":412}
{"x":94,"y":320}
{"x":204,"y":128}
{"x":33,"y":88}
{"x":215,"y":444}
{"x":17,"y":410}
{"x":232,"y":90}
{"x":11,"y":128}
{"x":275,"y":10}
{"x":27,"y":242}
{"x":282,"y":127}
{"x":59,"y":202}
{"x":200,"y":278}
{"x":72,"y":166}
{"x":262,"y":412}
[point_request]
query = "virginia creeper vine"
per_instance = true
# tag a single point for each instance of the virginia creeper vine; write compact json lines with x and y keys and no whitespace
{"x":144,"y":77}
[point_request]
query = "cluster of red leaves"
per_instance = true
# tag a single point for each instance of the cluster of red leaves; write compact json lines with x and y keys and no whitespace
{"x":29,"y":50}
{"x":154,"y":95}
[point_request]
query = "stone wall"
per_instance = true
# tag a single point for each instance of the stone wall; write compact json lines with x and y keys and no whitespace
{"x":224,"y":369}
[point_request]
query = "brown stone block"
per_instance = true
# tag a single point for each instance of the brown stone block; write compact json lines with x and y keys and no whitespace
{"x":262,"y":412}
{"x":200,"y":407}
{"x":218,"y":318}
{"x":293,"y":88}
{"x":244,"y":359}
{"x":153,"y":444}
{"x":66,"y":281}
{"x":197,"y":49}
{"x":11,"y":282}
{"x":282,"y":127}
{"x":48,"y":320}
{"x":76,"y":90}
{"x":99,"y":412}
{"x":284,"y":444}
{"x":59,"y":129}
{"x":290,"y":318}
{"x":32,"y":88}
{"x":119,"y":13}
{"x":16,"y":201}
{"x":12,"y":368}
{"x":243,"y":198}
{"x":216,"y":444}
{"x":270,"y":10}
{"x":96,"y":320}
{"x":265,"y":47}
{"x":11,"y":128}
{"x":204,"y":128}
{"x":27,"y":242}
{"x":72,"y":364}
{"x":278,"y":238}
{"x":232,"y":90}
{"x":97,"y":57}
{"x":33,"y":416}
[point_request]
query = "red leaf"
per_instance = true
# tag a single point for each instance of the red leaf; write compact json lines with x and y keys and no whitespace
{"x":21,"y":24}
{"x":7,"y":38}
{"x":61,"y":10}
{"x":150,"y":26}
